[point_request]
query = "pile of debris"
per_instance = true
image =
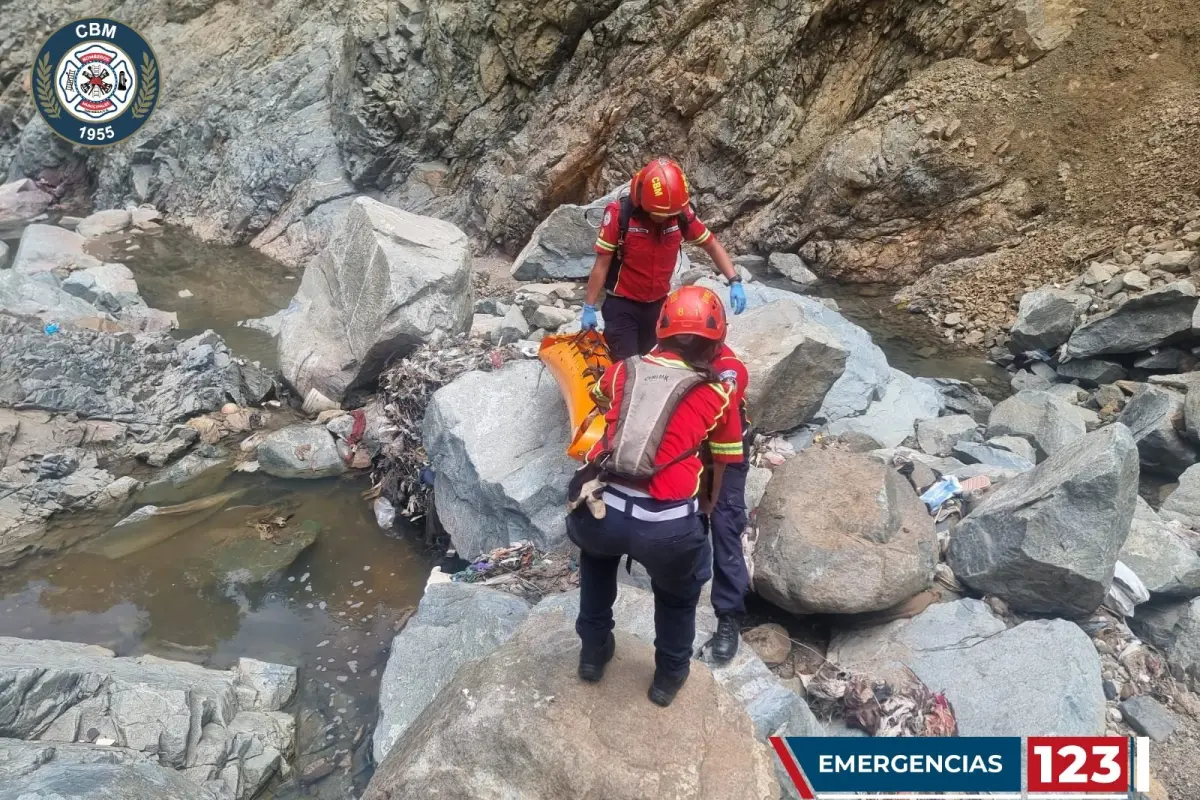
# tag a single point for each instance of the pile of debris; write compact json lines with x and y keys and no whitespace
{"x":878,"y":707}
{"x":405,"y":389}
{"x":520,"y":569}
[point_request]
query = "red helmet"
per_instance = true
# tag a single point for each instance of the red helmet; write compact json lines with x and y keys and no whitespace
{"x":660,"y":187}
{"x":692,"y":310}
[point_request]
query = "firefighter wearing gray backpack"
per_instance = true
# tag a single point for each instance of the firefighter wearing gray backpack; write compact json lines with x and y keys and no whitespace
{"x":644,"y":485}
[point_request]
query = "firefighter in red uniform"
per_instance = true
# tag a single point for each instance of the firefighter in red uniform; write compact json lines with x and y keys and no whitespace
{"x":636,"y":253}
{"x":731,"y":579}
{"x":662,"y":410}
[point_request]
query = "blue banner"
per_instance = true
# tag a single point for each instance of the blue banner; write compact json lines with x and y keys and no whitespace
{"x":908,"y":764}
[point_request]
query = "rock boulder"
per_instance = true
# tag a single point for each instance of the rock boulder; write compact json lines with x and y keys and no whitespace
{"x":20,"y":201}
{"x":1160,"y":556}
{"x":1047,"y":541}
{"x":1142,"y":322}
{"x":519,"y":723}
{"x":792,"y":364}
{"x":222,"y":730}
{"x":1183,"y":504}
{"x":454,"y":623}
{"x":561,"y":245}
{"x":1155,"y":416}
{"x":49,"y":248}
{"x":792,"y":267}
{"x":939,"y":435}
{"x":497,"y":442}
{"x":300,"y":451}
{"x":841,"y":533}
{"x":1174,"y":627}
{"x":1040,"y":678}
{"x":892,"y":418}
{"x":387,"y":281}
{"x":867,"y":373}
{"x":1046,"y":318}
{"x":1046,"y":422}
{"x":105,"y":222}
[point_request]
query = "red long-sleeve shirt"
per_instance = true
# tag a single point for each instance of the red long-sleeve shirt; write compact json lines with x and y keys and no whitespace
{"x":705,"y":414}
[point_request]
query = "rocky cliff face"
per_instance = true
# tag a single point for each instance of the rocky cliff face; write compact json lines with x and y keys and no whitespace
{"x":490,"y":113}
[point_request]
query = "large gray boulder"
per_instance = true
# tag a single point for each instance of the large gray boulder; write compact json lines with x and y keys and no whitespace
{"x":454,"y":623}
{"x":101,"y":223}
{"x":841,"y":533}
{"x":892,"y":418}
{"x":939,"y":435}
{"x":1159,"y":555}
{"x":1173,"y":627}
{"x":1040,"y":678}
{"x":222,"y":729}
{"x":497,"y":442}
{"x":1047,"y":541}
{"x":1046,"y":318}
{"x":1156,"y":317}
{"x":27,"y":295}
{"x":976,"y":453}
{"x":792,"y":267}
{"x":867,"y":373}
{"x":1155,"y":416}
{"x":58,"y":778}
{"x":110,"y":287}
{"x":792,"y":364}
{"x":960,"y":397}
{"x":1091,"y":372}
{"x":1183,"y":504}
{"x":49,"y":248}
{"x":300,"y":451}
{"x":519,"y":723}
{"x":20,"y":201}
{"x":561,"y":245}
{"x":773,"y":708}
{"x":1046,"y":422}
{"x":387,"y":281}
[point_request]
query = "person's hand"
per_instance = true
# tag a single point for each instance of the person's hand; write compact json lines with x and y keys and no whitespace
{"x":737,"y":297}
{"x":588,"y":319}
{"x":706,"y":504}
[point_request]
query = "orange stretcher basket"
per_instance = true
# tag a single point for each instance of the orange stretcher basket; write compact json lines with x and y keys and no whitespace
{"x":577,"y":361}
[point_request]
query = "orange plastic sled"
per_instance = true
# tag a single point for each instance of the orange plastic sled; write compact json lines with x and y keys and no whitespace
{"x":577,"y":361}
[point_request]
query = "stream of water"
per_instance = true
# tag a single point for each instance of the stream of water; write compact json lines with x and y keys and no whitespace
{"x":334,"y":610}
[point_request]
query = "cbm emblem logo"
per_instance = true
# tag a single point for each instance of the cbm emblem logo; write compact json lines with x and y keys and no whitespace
{"x":95,"y":82}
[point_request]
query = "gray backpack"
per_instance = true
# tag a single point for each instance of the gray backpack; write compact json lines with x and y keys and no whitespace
{"x":651,"y":394}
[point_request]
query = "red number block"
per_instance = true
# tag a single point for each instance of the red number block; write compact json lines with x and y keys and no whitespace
{"x":1078,"y":764}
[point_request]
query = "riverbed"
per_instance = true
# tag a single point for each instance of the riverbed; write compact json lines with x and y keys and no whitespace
{"x":332,"y":612}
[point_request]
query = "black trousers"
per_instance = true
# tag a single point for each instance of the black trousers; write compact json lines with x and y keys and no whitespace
{"x":676,"y":554}
{"x":629,"y":326}
{"x":731,"y":580}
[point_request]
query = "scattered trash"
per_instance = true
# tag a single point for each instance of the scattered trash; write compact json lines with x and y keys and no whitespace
{"x":437,"y":576}
{"x":946,"y":577}
{"x":771,"y":452}
{"x":385,"y":514}
{"x":51,"y":328}
{"x":405,"y":390}
{"x":1127,"y":591}
{"x":304,"y":577}
{"x":315,"y":403}
{"x":975,"y":484}
{"x":935,"y":496}
{"x":522,"y":570}
{"x":880,"y":708}
{"x":185,"y":294}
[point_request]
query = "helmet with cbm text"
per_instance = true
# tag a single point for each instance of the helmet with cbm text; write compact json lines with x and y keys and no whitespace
{"x":692,"y":311}
{"x":660,"y":188}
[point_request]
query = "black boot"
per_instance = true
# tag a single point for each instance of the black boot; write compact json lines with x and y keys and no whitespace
{"x":593,"y":659}
{"x":725,"y":640}
{"x":665,"y":687}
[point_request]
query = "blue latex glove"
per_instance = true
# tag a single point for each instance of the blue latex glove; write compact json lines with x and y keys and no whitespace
{"x":588,"y":320}
{"x":737,"y":298}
